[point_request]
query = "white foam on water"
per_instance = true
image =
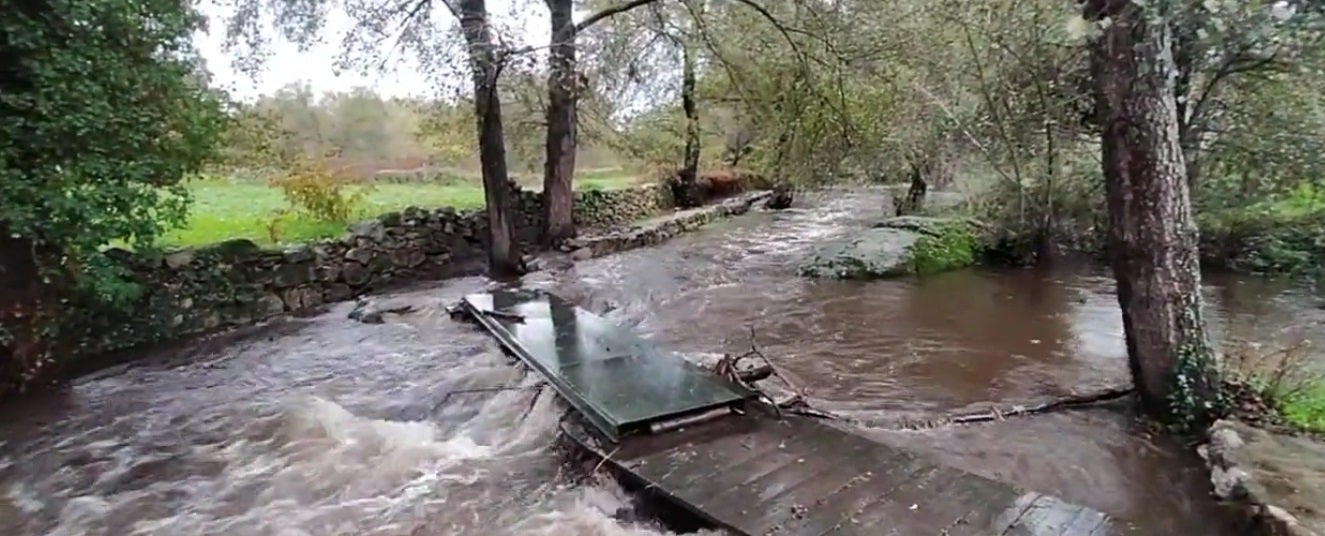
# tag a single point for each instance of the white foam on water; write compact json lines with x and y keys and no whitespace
{"x":593,"y":510}
{"x":310,"y":466}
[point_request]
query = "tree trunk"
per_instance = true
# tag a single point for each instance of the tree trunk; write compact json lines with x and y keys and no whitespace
{"x":503,"y":250}
{"x":915,"y":194}
{"x":562,"y":90}
{"x":691,"y":196}
{"x":1187,"y":54}
{"x":1152,"y":236}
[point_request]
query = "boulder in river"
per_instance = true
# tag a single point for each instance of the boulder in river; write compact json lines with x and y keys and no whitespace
{"x":1278,"y":479}
{"x":896,"y":246}
{"x":371,"y":310}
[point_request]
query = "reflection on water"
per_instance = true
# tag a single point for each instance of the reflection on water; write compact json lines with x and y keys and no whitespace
{"x":325,"y":426}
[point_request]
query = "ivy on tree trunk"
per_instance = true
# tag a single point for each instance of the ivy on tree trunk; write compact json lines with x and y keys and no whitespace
{"x":1152,"y":235}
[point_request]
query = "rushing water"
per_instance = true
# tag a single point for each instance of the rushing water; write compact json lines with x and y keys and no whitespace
{"x":323,"y":426}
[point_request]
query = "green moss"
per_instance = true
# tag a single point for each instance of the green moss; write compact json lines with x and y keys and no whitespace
{"x":1306,"y":409}
{"x":1281,"y":236}
{"x":948,"y":247}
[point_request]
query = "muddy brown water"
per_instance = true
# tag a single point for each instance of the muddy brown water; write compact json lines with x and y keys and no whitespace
{"x":323,"y":426}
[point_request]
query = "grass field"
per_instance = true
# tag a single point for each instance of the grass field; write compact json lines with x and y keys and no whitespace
{"x":224,"y":209}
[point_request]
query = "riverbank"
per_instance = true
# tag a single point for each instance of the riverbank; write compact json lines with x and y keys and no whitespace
{"x":419,"y":421}
{"x":1276,"y":478}
{"x":192,"y":291}
{"x":1270,"y":470}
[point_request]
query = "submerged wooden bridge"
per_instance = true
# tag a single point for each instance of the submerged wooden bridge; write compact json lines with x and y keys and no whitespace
{"x":711,"y":447}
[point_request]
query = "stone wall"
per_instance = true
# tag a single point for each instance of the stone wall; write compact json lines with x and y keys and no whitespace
{"x":602,"y":208}
{"x":237,"y":282}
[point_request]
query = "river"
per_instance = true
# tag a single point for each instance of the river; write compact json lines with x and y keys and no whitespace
{"x":319,"y":425}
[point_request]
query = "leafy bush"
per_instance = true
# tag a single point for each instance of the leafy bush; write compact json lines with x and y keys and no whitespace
{"x":321,"y":194}
{"x":105,"y":112}
{"x":953,"y":246}
{"x":1283,"y":235}
{"x":1285,"y":378}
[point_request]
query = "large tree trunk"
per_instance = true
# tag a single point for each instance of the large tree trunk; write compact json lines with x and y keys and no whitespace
{"x":503,"y":250}
{"x":1152,"y":237}
{"x":562,"y":90}
{"x":691,"y":195}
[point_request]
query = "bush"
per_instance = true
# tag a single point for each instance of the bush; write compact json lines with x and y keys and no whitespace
{"x":104,"y":114}
{"x":320,"y":194}
{"x":1278,"y":236}
{"x":953,"y":246}
{"x":105,"y":111}
{"x":1284,"y":378}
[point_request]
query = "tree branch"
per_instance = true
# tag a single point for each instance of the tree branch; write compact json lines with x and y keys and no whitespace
{"x":610,"y":12}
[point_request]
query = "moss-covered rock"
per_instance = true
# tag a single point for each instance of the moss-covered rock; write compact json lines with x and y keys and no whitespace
{"x":897,"y":246}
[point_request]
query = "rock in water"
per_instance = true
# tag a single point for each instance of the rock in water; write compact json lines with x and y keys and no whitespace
{"x":370,"y":311}
{"x":894,"y":247}
{"x":880,"y":252}
{"x":781,"y":199}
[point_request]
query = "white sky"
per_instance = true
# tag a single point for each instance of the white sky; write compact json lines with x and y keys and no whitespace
{"x":316,"y":66}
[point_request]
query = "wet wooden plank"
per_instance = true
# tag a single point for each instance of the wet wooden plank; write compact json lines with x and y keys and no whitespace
{"x":1001,"y":505}
{"x":687,"y":466}
{"x":1046,"y":515}
{"x":908,"y":510}
{"x":756,"y":475}
{"x":724,"y":435}
{"x":795,"y":501}
{"x":842,"y":507}
{"x":1086,"y":522}
{"x":780,"y":495}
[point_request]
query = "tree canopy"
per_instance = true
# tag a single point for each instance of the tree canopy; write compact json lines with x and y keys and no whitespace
{"x":106,"y":110}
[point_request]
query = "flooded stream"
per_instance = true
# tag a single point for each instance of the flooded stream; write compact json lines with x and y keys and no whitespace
{"x":324,"y":426}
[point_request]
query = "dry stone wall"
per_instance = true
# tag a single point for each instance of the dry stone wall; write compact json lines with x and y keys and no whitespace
{"x":237,"y":282}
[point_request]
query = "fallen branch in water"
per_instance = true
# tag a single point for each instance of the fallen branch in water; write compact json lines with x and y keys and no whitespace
{"x":605,"y":460}
{"x":754,"y":351}
{"x":755,"y":374}
{"x":798,"y":404}
{"x":446,"y":397}
{"x":728,"y":367}
{"x":996,"y":413}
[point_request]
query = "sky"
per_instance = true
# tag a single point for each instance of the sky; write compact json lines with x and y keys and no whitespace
{"x":287,"y":64}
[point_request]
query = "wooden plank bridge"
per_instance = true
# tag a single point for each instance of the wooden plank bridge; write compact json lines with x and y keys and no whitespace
{"x":711,"y":447}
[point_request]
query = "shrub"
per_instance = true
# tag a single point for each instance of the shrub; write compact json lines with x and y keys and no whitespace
{"x":1284,"y":378}
{"x":316,"y":192}
{"x":952,"y":246}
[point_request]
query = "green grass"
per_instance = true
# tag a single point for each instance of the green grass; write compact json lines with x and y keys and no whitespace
{"x":1306,"y":409}
{"x":224,"y":209}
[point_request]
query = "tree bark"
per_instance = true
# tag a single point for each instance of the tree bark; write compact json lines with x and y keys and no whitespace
{"x":915,"y":194}
{"x":503,"y":250}
{"x":691,"y":196}
{"x":1152,"y":236}
{"x":559,"y":170}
